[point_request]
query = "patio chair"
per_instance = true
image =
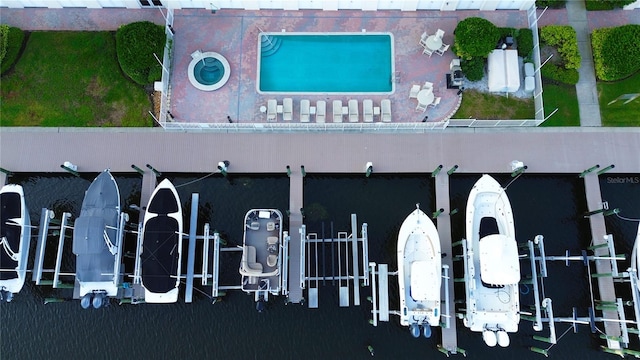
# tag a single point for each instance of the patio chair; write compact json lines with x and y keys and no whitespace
{"x":442,"y":49}
{"x":367,"y":110}
{"x":321,"y":111}
{"x":421,"y":107}
{"x":427,"y":51}
{"x":423,"y":39}
{"x":439,"y":33}
{"x":385,"y":104}
{"x":287,"y":109}
{"x":337,"y":111}
{"x":435,"y":102}
{"x":353,"y":110}
{"x":304,"y":110}
{"x":413,"y":93}
{"x":272,"y":106}
{"x":427,"y":85}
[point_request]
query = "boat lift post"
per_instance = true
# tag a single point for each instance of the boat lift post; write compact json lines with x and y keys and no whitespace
{"x":205,"y":256}
{"x":136,"y":270}
{"x":285,"y":264}
{"x":216,"y":265}
{"x":124,"y":217}
{"x":188,"y":291}
{"x":46,"y":216}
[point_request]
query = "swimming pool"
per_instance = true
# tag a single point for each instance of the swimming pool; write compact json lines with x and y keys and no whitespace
{"x":340,"y":63}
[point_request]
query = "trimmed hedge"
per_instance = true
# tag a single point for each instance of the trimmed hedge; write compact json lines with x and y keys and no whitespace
{"x":563,"y":38}
{"x":553,"y":4}
{"x":606,"y":4}
{"x":616,"y":52}
{"x":475,"y":36}
{"x":560,"y":74}
{"x":135,"y":45}
{"x":11,"y":43}
{"x":473,"y":68}
{"x":524,"y":40}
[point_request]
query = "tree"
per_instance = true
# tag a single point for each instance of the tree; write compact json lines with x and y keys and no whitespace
{"x":475,"y":37}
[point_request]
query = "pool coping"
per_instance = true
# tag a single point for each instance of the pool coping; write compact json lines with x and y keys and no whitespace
{"x":197,"y":57}
{"x":334,"y":33}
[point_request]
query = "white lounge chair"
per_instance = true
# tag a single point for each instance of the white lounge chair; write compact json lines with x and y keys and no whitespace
{"x":442,"y":49}
{"x":337,"y":111}
{"x":367,"y":110}
{"x":321,"y":111}
{"x":287,"y":109}
{"x":385,"y":104}
{"x":439,"y":33}
{"x":272,"y":106}
{"x":427,"y":51}
{"x":435,"y":102}
{"x":304,"y":110}
{"x":353,"y":111}
{"x":427,"y":85}
{"x":413,"y":93}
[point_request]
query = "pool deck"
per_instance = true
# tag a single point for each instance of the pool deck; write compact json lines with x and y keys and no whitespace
{"x":234,"y":34}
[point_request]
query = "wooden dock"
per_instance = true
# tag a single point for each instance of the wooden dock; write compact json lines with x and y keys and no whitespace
{"x":543,"y":150}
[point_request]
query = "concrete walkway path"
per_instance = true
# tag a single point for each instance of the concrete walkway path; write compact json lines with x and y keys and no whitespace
{"x":586,"y":87}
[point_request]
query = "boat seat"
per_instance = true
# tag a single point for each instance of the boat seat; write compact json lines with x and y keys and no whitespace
{"x":272,"y":249}
{"x":254,"y":225}
{"x":249,"y":265}
{"x":272,"y":260}
{"x":488,"y":226}
{"x":271,"y":226}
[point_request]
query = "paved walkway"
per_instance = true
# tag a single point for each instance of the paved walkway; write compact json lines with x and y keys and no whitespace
{"x":586,"y":87}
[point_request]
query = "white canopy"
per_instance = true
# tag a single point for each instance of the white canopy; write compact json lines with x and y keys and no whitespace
{"x":499,"y":262}
{"x":504,"y":71}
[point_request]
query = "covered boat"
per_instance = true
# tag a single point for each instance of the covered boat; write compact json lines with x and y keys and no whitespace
{"x":15,"y":232}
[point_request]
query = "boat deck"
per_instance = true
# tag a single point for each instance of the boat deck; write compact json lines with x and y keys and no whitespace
{"x":262,"y":254}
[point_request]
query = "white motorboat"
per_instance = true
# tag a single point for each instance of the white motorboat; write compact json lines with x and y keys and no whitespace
{"x":96,"y":244}
{"x":419,"y":273}
{"x":161,"y":255}
{"x":262,"y":249}
{"x":492,"y":268}
{"x":15,"y":232}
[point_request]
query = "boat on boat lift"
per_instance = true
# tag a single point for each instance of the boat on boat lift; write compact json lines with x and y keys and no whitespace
{"x":161,"y":256}
{"x":492,"y":268}
{"x":96,"y":244}
{"x":15,"y":237}
{"x":262,"y":249}
{"x":419,"y":273}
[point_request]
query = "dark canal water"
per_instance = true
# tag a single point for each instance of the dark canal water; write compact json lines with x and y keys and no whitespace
{"x":551,"y":205}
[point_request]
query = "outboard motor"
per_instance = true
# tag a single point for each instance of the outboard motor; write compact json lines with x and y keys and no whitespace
{"x":6,"y":296}
{"x":98,"y":301}
{"x":489,"y":337}
{"x":503,"y":338}
{"x":260,"y":304}
{"x":85,"y":302}
{"x":426,"y":330}
{"x":415,"y":330}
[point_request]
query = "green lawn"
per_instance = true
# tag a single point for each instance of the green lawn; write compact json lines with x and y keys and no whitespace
{"x":618,"y":114}
{"x":564,"y":98}
{"x":485,"y":106}
{"x":71,"y":79}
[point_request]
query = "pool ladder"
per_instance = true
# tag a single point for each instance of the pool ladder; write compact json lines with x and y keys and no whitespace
{"x":269,"y":44}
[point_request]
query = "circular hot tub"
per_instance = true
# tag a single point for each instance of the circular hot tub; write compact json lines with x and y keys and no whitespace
{"x":208,"y":71}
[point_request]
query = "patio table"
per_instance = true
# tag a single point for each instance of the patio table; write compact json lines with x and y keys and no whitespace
{"x":433,"y":42}
{"x":425,"y":96}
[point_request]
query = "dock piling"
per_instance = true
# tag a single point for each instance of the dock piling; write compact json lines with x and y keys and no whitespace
{"x":223,"y":167}
{"x":435,"y":172}
{"x":518,"y":171}
{"x":6,"y":172}
{"x":606,"y":169}
{"x":288,"y":171}
{"x":72,"y":169}
{"x":437,"y":213}
{"x":452,"y":170}
{"x":454,"y":211}
{"x":368,"y":168}
{"x":137,"y":169}
{"x":303,"y":171}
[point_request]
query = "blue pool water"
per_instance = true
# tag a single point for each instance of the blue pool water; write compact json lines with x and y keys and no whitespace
{"x":328,"y":63}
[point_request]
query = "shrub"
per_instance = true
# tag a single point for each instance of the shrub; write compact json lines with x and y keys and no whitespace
{"x":4,"y":34}
{"x":525,"y":42}
{"x":554,"y":4}
{"x":135,"y":45}
{"x":616,"y":52}
{"x":563,"y":38}
{"x":606,"y":4}
{"x":475,"y":37}
{"x":560,"y":74}
{"x":14,"y":38}
{"x":473,"y":68}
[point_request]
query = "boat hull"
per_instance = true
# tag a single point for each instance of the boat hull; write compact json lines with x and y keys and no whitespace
{"x":419,"y":271}
{"x":95,"y":237}
{"x":491,"y":259}
{"x":161,"y":255}
{"x":15,"y":234}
